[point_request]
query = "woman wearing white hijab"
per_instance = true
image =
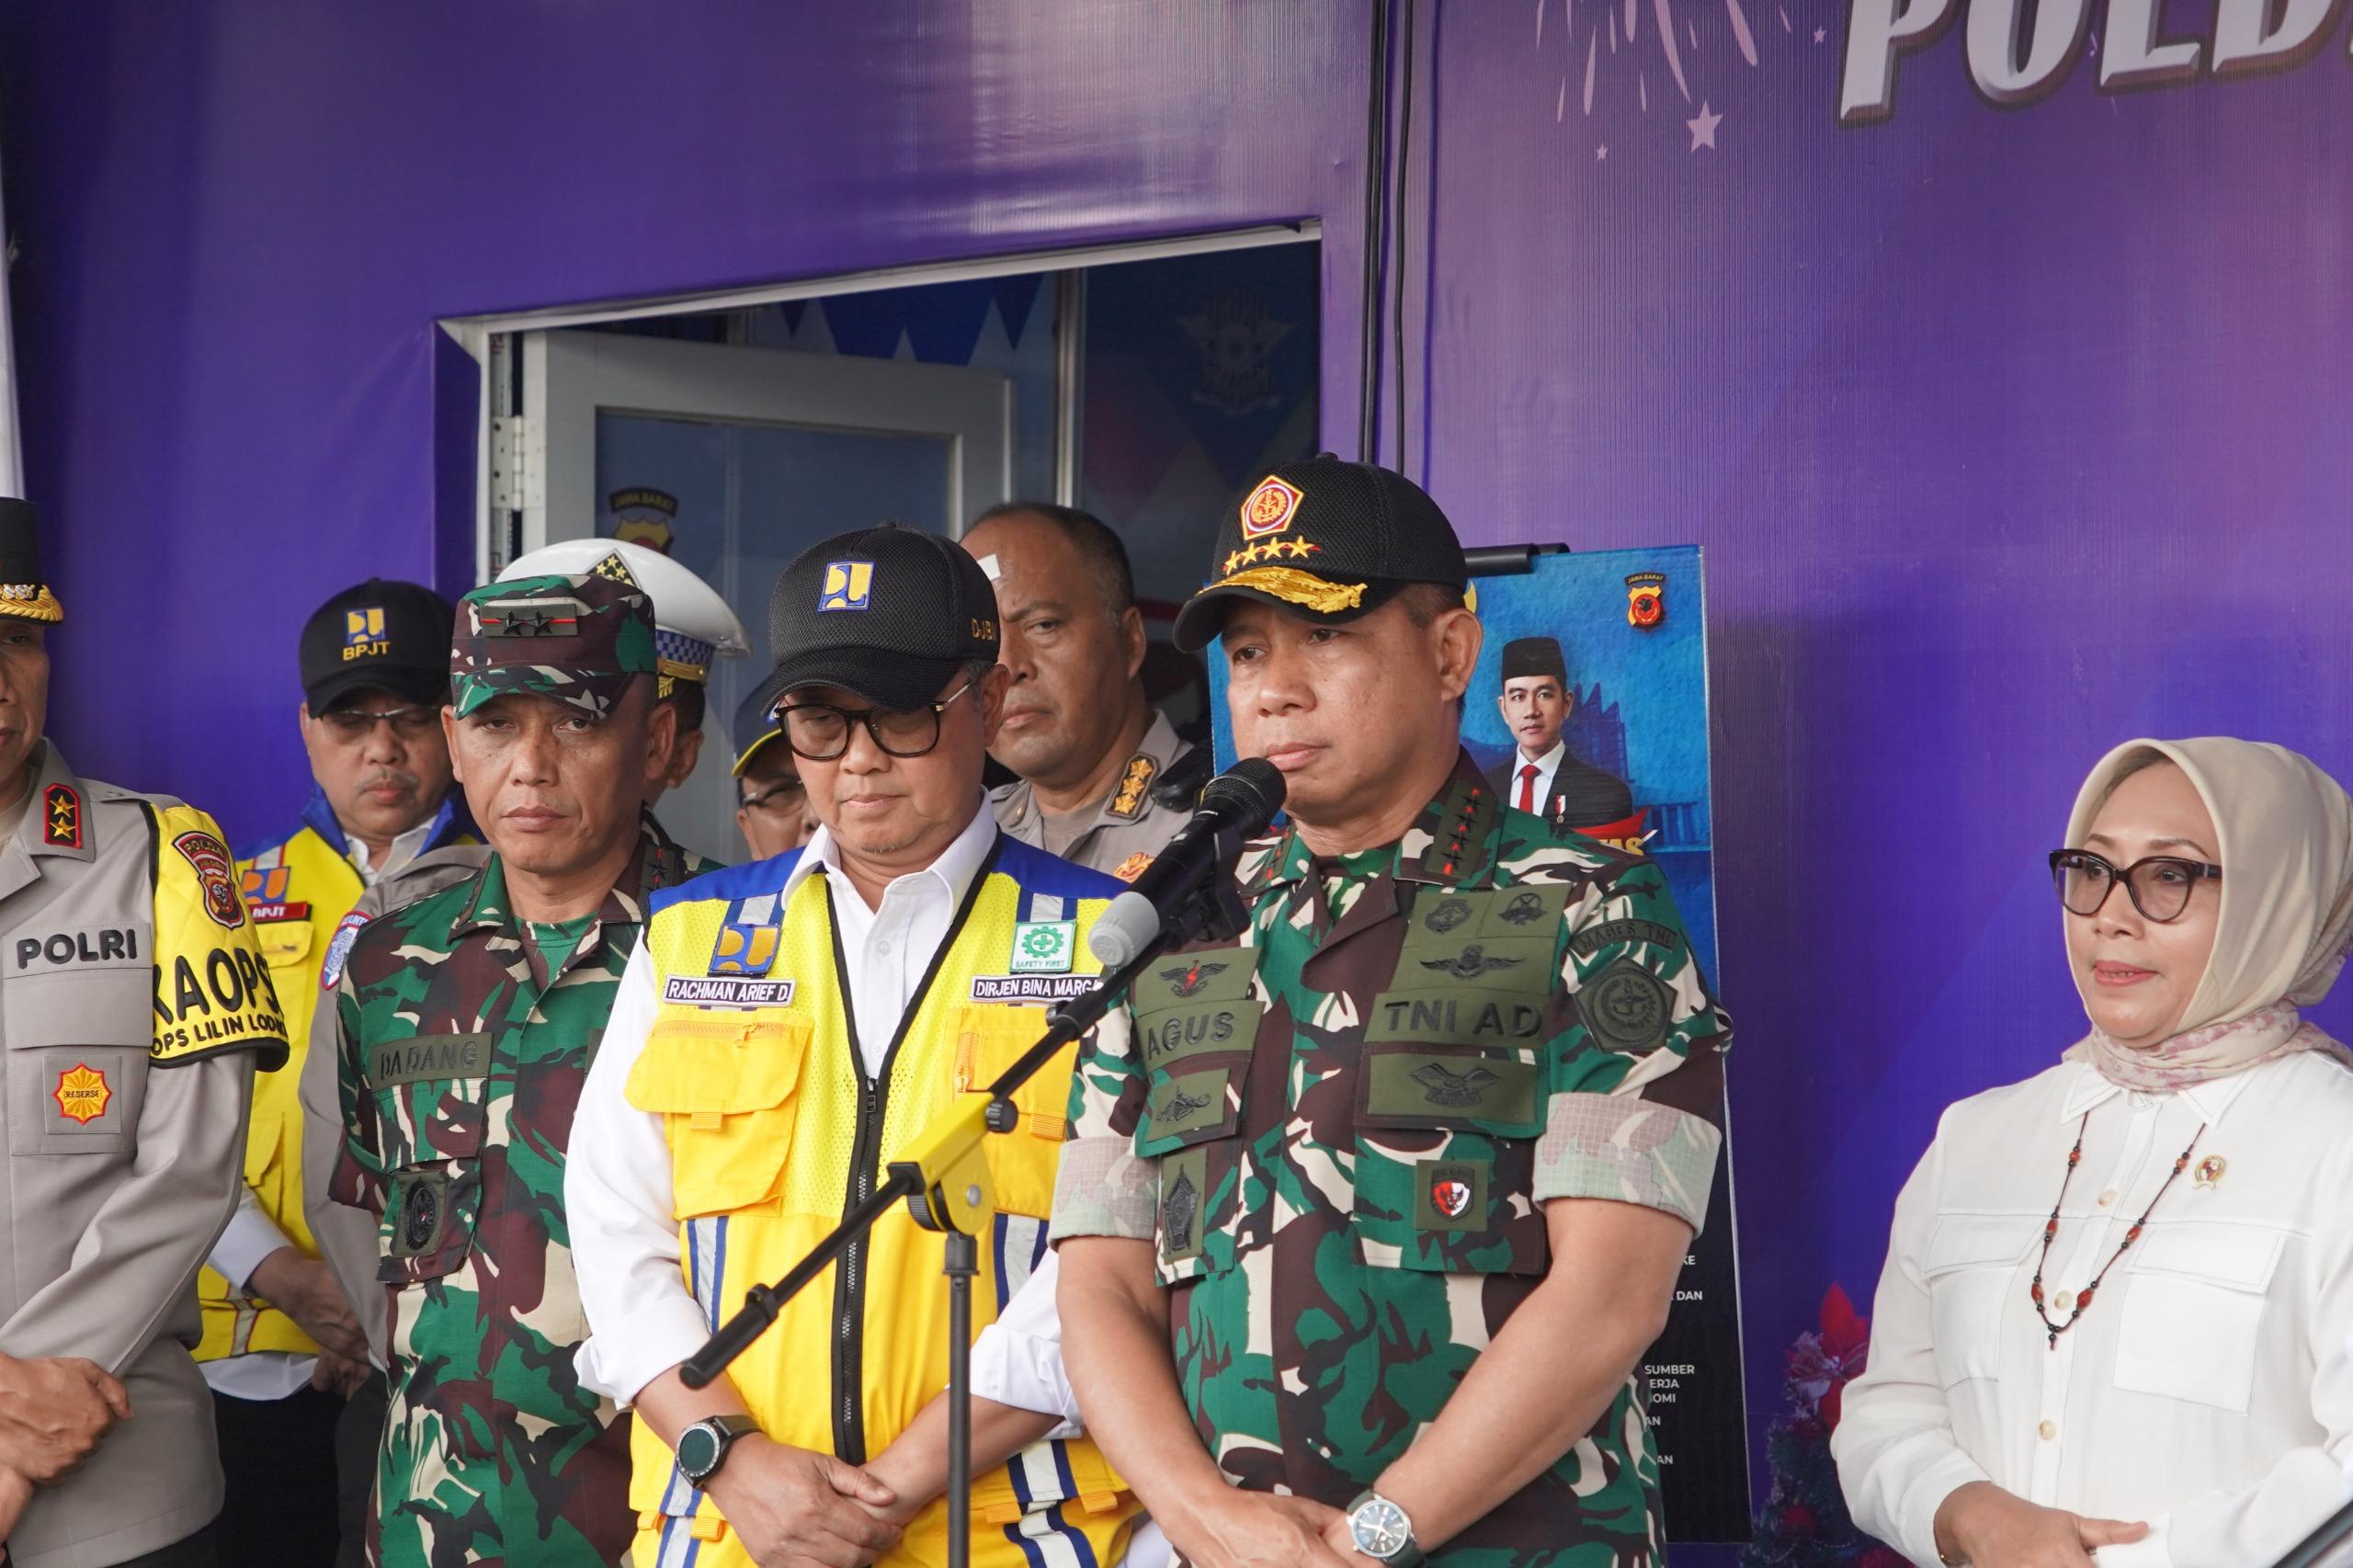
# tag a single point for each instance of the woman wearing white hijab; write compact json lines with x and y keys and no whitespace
{"x":2117,"y":1299}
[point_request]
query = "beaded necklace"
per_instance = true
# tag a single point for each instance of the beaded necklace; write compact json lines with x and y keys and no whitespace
{"x":2051,"y":1232}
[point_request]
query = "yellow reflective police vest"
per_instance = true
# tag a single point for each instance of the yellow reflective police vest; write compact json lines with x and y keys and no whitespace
{"x":299,"y":893}
{"x":776,"y":1133}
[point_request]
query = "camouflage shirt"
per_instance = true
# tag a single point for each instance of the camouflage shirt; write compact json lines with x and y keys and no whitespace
{"x":1340,"y":1129}
{"x":461,"y":1057}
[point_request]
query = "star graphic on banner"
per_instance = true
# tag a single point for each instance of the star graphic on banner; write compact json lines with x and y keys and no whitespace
{"x":1819,"y":34}
{"x":1600,"y":152}
{"x":1703,"y":128}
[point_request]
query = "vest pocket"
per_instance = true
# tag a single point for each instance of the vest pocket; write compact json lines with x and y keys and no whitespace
{"x":1446,"y":1159}
{"x":1021,"y":1164}
{"x":1073,"y":1474}
{"x":724,"y":1088}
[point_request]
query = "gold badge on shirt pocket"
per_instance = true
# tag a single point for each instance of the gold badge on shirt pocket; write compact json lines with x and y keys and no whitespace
{"x":2210,"y":1172}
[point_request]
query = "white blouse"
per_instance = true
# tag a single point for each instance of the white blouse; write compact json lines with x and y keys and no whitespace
{"x":2207,"y":1389}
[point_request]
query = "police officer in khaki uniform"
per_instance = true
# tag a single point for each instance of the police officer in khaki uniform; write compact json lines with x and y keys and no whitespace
{"x":135,"y":1009}
{"x":1104,"y":779}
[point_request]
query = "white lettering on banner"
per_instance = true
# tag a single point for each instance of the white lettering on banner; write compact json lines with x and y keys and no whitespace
{"x":2013,"y":63}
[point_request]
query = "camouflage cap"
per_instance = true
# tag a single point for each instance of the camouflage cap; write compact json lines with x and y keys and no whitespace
{"x":580,"y":640}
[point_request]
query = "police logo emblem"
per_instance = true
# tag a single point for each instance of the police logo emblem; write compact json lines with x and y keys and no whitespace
{"x":1448,"y":916}
{"x":1645,"y":600}
{"x":643,"y":514}
{"x":1270,"y":508}
{"x":214,"y":876}
{"x":849,"y":584}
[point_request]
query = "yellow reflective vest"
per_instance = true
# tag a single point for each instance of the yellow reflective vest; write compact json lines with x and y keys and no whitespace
{"x":776,"y":1132}
{"x":299,"y":893}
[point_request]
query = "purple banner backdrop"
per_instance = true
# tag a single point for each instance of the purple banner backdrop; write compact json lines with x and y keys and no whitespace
{"x":2009,"y":432}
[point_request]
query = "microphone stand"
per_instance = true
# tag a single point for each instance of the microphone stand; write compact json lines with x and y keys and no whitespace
{"x":2326,"y":1536}
{"x":943,"y":1177}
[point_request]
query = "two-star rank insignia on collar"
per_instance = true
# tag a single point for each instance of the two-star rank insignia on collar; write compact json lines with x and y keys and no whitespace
{"x":60,"y":817}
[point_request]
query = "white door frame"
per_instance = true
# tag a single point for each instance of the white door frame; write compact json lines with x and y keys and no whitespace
{"x":570,"y":377}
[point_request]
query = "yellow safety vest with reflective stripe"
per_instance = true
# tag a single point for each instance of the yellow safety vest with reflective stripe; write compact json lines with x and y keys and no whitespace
{"x":298,"y":893}
{"x":775,"y":1133}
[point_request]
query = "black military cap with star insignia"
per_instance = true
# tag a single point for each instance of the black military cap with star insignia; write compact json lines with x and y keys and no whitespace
{"x":23,"y":590}
{"x":1327,"y":539}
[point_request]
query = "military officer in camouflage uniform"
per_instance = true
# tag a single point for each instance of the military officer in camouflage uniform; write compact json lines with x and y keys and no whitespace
{"x":466,"y":1024}
{"x":1104,"y":779}
{"x":1363,"y":1237}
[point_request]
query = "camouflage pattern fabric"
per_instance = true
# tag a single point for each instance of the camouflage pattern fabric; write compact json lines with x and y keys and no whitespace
{"x":1339,"y":1131}
{"x":579,"y":639}
{"x":462,"y":1057}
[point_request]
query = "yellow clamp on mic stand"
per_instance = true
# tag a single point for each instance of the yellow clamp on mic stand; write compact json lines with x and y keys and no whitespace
{"x":947,"y":1169}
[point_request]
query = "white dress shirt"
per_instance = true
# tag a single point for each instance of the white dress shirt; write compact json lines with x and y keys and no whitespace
{"x":253,"y":1235}
{"x":2208,"y":1387}
{"x":616,"y":1184}
{"x":1541,"y":785}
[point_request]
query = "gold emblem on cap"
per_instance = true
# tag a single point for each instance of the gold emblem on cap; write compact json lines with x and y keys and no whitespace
{"x":1269,"y":508}
{"x":1293,"y":587}
{"x":29,"y":601}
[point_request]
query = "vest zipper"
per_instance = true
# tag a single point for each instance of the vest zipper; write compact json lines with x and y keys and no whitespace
{"x":865,"y":1169}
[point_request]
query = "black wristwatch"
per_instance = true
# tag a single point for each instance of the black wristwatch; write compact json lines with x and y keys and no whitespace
{"x":702,"y":1448}
{"x":1382,"y":1532}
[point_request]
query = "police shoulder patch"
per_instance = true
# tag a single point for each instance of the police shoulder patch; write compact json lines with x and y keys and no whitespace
{"x":214,"y":877}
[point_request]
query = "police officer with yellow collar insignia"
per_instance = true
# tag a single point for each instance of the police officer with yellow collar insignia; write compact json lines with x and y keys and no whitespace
{"x":136,"y":1008}
{"x":787,"y":1028}
{"x":1104,"y":780}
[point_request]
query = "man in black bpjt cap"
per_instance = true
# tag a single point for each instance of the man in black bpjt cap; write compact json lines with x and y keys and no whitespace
{"x":824,"y":1006}
{"x":1540,"y":777}
{"x":284,"y":1346}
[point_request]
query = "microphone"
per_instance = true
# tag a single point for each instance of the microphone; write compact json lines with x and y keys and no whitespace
{"x":1236,"y":805}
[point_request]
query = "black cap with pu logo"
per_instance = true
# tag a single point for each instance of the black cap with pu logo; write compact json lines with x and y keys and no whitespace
{"x":1326,"y":539}
{"x":383,"y":635}
{"x":888,"y":612}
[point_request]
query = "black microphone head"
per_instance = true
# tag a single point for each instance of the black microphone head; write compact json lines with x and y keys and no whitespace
{"x":1252,"y":791}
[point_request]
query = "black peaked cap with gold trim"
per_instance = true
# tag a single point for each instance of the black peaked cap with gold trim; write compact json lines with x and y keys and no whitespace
{"x":24,"y":591}
{"x":1326,"y":539}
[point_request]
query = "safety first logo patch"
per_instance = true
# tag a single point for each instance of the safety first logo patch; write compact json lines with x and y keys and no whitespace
{"x":215,"y":875}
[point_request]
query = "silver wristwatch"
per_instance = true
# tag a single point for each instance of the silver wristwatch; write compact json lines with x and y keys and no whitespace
{"x":1382,"y":1532}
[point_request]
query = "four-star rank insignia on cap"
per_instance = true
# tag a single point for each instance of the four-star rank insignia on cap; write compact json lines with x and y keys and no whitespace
{"x":60,"y":817}
{"x":1646,"y":599}
{"x":615,"y":568}
{"x":1269,"y":508}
